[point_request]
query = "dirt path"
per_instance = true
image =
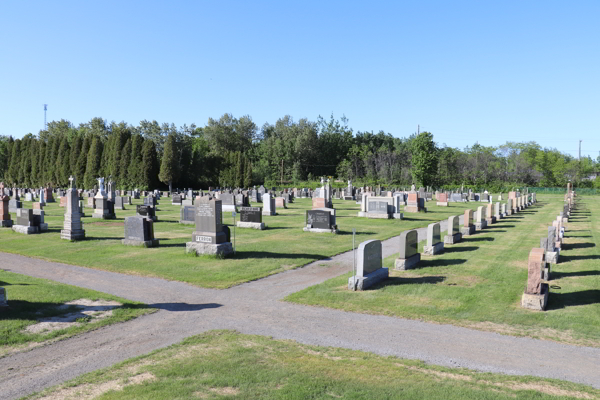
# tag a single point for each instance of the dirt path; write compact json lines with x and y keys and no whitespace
{"x":254,"y":308}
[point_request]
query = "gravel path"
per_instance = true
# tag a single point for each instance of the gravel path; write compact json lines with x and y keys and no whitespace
{"x":254,"y":308}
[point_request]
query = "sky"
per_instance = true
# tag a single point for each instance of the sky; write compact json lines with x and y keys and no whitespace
{"x":466,"y":71}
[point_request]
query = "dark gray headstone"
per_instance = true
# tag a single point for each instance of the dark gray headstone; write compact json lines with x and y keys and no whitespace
{"x":251,"y":214}
{"x":318,"y":219}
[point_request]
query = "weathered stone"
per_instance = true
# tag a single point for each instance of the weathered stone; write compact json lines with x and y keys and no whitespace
{"x":139,"y":231}
{"x":434,"y":244}
{"x":72,"y":226}
{"x":468,"y":227}
{"x":369,"y":269}
{"x":408,"y":256}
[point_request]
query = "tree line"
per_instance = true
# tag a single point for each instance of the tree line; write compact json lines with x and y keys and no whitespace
{"x":235,"y":152}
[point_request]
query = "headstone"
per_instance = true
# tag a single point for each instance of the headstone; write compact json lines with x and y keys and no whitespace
{"x":251,"y":217}
{"x":442,"y":199}
{"x":320,"y":221}
{"x":104,"y":208}
{"x":413,"y":203}
{"x":453,"y":236}
{"x":5,"y":220}
{"x":210,"y":236}
{"x":280,"y":202}
{"x":468,"y":227}
{"x":408,"y":257}
{"x":119,"y":203}
{"x":25,"y":222}
{"x":268,"y":205}
{"x":369,"y":269}
{"x":176,"y":199}
{"x":535,"y":296}
{"x":139,"y":231}
{"x":147,"y":212}
{"x":480,"y":220}
{"x":72,"y":226}
{"x":489,"y":214}
{"x":434,"y":243}
{"x":187,"y":215}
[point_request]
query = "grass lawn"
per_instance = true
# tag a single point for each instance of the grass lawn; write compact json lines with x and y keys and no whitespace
{"x":478,"y":283}
{"x":259,"y":253}
{"x":225,"y":364}
{"x":30,"y":299}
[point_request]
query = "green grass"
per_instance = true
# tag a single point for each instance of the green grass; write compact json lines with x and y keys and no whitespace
{"x":259,"y":253}
{"x":478,"y":283}
{"x":225,"y":364}
{"x":32,"y":298}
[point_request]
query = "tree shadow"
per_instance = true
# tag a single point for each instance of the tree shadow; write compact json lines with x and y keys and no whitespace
{"x":571,"y":246}
{"x":492,"y":227}
{"x":398,"y":280}
{"x":513,"y":217}
{"x":345,"y":233}
{"x":271,"y":228}
{"x":476,"y":239}
{"x":562,"y":300}
{"x":267,"y":254}
{"x":459,"y":249}
{"x":575,"y":258}
{"x":579,"y":219}
{"x":14,"y":284}
{"x":440,"y":262}
{"x":102,"y":238}
{"x":558,"y":275}
{"x":183,"y":306}
{"x":493,"y":230}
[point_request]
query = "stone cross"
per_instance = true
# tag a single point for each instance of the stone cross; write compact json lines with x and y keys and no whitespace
{"x":100,"y":184}
{"x":72,"y":182}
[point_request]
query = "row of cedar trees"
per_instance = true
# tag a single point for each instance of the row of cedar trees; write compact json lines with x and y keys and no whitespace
{"x":127,"y":158}
{"x":34,"y":163}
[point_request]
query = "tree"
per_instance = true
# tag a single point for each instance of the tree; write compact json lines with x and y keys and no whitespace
{"x":424,"y":159}
{"x":63,"y":163}
{"x":124,"y":181}
{"x":248,"y":177}
{"x":149,"y":166}
{"x":41,"y":163}
{"x":94,"y":161}
{"x":75,"y":151}
{"x":135,"y":162}
{"x":15,"y":158}
{"x":81,"y":165}
{"x":168,"y":168}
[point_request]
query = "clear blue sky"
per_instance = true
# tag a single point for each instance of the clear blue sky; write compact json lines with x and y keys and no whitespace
{"x":466,"y":71}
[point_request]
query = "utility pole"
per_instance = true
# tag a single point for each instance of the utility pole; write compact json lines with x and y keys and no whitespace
{"x":45,"y":124}
{"x":580,"y":149}
{"x":418,"y":129}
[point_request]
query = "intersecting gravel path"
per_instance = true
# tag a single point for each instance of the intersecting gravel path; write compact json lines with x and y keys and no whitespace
{"x":255,"y":308}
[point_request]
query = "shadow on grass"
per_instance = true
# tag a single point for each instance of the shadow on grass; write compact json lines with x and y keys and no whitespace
{"x":558,"y":275}
{"x":476,"y":239}
{"x":271,"y":228}
{"x":570,"y":246}
{"x":102,"y":238}
{"x":267,"y":254}
{"x":440,"y":263}
{"x":183,"y":306}
{"x":575,"y":258}
{"x":561,"y":300}
{"x":493,"y":230}
{"x":460,"y":249}
{"x":499,"y":225}
{"x":344,"y":233}
{"x":14,"y":284}
{"x":397,"y":280}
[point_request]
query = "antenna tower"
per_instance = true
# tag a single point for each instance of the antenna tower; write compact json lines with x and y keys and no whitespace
{"x":45,"y":108}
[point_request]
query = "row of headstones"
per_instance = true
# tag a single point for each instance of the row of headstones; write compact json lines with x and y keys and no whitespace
{"x":369,"y":267}
{"x":537,"y":290}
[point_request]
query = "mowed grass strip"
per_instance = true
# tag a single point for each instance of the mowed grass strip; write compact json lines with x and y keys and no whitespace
{"x":226,"y":364}
{"x":478,"y":283}
{"x":30,"y":299}
{"x":258,"y":253}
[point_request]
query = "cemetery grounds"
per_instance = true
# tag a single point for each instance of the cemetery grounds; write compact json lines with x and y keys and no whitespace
{"x":476,"y":283}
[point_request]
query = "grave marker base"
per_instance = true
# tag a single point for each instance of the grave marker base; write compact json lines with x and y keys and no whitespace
{"x":467,"y":231}
{"x":433,"y":250}
{"x":552,"y":257}
{"x":72,"y":235}
{"x":269,"y":214}
{"x":253,"y":225}
{"x":6,"y":223}
{"x":140,"y":243}
{"x":537,"y":302}
{"x":403,"y":264}
{"x":319,"y":230}
{"x":222,"y":249}
{"x":480,"y":225}
{"x":368,"y":280}
{"x":442,"y":203}
{"x":452,"y":239}
{"x":182,"y":221}
{"x":26,"y":230}
{"x":104,"y":216}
